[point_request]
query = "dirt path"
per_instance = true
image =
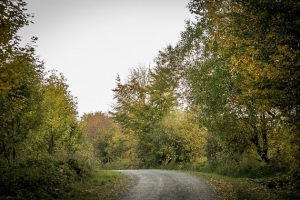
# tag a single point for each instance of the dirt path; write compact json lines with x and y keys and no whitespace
{"x":165,"y":185}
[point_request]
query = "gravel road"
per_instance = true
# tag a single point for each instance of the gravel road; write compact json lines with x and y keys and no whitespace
{"x":165,"y":185}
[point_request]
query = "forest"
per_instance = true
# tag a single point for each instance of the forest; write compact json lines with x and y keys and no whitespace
{"x":223,"y":100}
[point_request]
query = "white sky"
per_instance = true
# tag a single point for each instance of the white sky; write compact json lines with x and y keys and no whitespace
{"x":91,"y":41}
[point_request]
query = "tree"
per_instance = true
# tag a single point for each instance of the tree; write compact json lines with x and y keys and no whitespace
{"x":216,"y":92}
{"x":122,"y":148}
{"x":20,"y":102}
{"x":13,"y":18}
{"x":133,"y":110}
{"x":132,"y":101}
{"x":178,"y":140}
{"x":142,"y":102}
{"x":259,"y":39}
{"x":95,"y":127}
{"x":112,"y":145}
{"x":60,"y":118}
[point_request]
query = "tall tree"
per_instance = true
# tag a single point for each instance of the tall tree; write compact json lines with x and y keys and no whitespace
{"x":217,"y":93}
{"x":142,"y":102}
{"x":260,"y":40}
{"x":12,"y":18}
{"x":132,"y":109}
{"x":61,"y":113}
{"x":20,"y":102}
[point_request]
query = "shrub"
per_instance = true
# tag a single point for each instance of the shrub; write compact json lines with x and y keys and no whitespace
{"x":43,"y":178}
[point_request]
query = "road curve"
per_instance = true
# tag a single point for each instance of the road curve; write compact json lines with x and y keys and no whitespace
{"x":165,"y":185}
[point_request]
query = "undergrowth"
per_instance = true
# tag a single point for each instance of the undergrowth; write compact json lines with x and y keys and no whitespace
{"x":239,"y":188}
{"x":259,"y":181}
{"x":52,"y":178}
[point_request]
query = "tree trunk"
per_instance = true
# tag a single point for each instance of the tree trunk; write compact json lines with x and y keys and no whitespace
{"x":261,"y":147}
{"x":51,"y":145}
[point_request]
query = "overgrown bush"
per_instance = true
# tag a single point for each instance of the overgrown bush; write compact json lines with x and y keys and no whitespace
{"x":42,"y":178}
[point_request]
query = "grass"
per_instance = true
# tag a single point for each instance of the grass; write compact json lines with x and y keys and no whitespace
{"x":104,"y":185}
{"x":240,"y":188}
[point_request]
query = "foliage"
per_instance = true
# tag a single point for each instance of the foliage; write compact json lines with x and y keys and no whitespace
{"x":38,"y":119}
{"x":141,"y":103}
{"x":122,"y":149}
{"x":178,"y":140}
{"x":34,"y":110}
{"x":224,"y":99}
{"x":43,"y":178}
{"x":13,"y":18}
{"x":254,"y":45}
{"x":132,"y":98}
{"x":112,"y":147}
{"x":20,"y":103}
{"x":60,"y":120}
{"x":258,"y":41}
{"x":95,"y":129}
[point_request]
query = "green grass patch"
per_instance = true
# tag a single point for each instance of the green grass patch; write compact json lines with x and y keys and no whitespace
{"x":104,"y":185}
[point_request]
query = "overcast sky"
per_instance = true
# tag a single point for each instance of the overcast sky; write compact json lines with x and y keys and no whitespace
{"x":91,"y":41}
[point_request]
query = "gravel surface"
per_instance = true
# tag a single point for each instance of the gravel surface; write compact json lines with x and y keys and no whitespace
{"x":165,"y":185}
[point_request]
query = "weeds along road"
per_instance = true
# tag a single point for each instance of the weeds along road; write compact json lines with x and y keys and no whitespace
{"x":165,"y":185}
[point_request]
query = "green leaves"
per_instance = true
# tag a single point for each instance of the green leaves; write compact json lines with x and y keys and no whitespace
{"x":178,"y":139}
{"x":20,"y":102}
{"x":243,"y":89}
{"x":142,"y":102}
{"x":61,"y":113}
{"x":13,"y":17}
{"x":135,"y":107}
